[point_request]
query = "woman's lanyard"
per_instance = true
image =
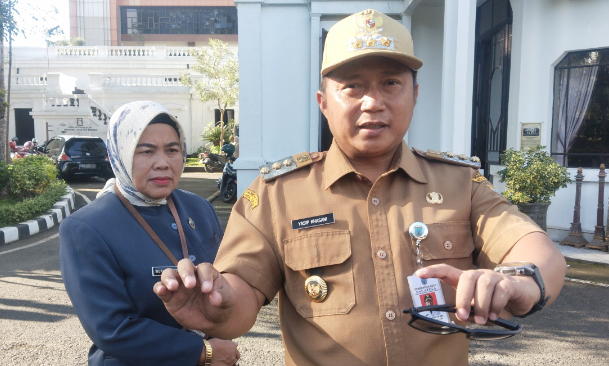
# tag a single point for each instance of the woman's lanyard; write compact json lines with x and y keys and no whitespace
{"x":153,"y":235}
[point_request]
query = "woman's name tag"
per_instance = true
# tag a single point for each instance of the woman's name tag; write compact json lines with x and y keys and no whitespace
{"x":427,"y":292}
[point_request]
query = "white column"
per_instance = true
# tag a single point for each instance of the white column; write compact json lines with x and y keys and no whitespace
{"x":407,"y":21}
{"x":458,"y":75}
{"x":250,"y":84}
{"x":315,"y":78}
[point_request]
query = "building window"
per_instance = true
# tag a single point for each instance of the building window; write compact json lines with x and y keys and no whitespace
{"x":229,"y":116}
{"x":580,"y":124}
{"x":179,"y":20}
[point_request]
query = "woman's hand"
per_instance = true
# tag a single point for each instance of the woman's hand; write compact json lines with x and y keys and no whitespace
{"x":224,"y":353}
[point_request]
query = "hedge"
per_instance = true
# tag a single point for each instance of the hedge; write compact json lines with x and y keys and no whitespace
{"x":12,"y":212}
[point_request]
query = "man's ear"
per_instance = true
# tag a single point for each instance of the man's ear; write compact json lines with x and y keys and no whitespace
{"x":416,"y":92}
{"x":321,"y":101}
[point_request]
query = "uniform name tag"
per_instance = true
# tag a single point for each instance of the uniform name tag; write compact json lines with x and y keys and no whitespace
{"x":427,"y":292}
{"x":157,"y":271}
{"x":313,"y":221}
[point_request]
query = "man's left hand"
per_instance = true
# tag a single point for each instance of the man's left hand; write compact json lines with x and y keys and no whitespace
{"x":489,"y":293}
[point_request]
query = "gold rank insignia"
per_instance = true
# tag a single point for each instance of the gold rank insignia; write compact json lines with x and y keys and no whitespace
{"x":252,"y":197}
{"x":370,"y":42}
{"x":277,"y":168}
{"x":434,"y":198}
{"x":357,"y":43}
{"x":450,"y":157}
{"x":385,"y":41}
{"x":477,"y":177}
{"x":316,"y":288}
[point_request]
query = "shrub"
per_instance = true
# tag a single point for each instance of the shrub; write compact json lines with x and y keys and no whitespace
{"x":211,"y":133}
{"x":12,"y":212}
{"x":4,"y":175}
{"x":30,"y":176}
{"x":531,"y":176}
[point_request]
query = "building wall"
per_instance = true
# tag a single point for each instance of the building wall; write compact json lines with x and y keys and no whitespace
{"x":544,"y":31}
{"x":428,"y":37}
{"x":110,"y":81}
{"x":98,"y":21}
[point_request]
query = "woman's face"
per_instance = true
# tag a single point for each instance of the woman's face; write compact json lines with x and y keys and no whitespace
{"x":157,"y":161}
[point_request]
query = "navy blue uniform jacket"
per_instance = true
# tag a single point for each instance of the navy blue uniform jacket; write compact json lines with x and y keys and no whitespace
{"x":106,"y":263}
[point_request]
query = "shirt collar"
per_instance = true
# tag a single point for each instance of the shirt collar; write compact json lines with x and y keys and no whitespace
{"x":337,"y":165}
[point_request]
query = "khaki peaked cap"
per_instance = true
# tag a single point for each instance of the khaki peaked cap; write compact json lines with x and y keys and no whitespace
{"x":368,"y":33}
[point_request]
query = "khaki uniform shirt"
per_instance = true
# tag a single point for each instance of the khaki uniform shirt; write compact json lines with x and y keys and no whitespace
{"x":366,"y":255}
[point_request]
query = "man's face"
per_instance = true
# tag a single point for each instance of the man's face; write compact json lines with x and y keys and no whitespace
{"x":369,"y":104}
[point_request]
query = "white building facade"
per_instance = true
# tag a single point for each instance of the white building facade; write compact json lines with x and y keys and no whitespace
{"x":75,"y":90}
{"x":489,"y":67}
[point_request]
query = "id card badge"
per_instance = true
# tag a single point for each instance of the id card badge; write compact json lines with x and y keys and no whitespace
{"x":426,"y":292}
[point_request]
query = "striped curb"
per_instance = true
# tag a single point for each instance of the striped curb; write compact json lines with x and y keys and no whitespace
{"x":60,"y":210}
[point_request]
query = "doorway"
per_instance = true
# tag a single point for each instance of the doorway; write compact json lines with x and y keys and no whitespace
{"x":492,"y":79}
{"x":24,"y":125}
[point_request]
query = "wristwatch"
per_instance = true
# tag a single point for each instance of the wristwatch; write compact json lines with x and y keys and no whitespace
{"x":526,"y":269}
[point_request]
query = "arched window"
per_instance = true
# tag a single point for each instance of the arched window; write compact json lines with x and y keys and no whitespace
{"x":580,"y":124}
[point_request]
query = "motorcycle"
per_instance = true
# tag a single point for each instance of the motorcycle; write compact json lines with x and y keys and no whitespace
{"x":227,"y":184}
{"x":212,"y":162}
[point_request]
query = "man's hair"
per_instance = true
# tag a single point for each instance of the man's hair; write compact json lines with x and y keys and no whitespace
{"x":322,"y":83}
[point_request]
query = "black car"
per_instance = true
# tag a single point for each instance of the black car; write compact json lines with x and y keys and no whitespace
{"x":79,"y":156}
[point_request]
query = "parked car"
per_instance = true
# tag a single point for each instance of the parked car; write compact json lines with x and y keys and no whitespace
{"x":79,"y":156}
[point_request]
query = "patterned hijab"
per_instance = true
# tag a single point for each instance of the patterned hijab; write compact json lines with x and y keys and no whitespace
{"x":124,"y":131}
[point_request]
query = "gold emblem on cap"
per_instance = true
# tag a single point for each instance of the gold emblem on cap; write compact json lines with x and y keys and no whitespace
{"x":385,"y":41}
{"x":462,"y":157}
{"x":265,"y":170}
{"x":450,"y":154}
{"x":276,"y":166}
{"x":316,"y":288}
{"x":369,"y":21}
{"x":357,"y":43}
{"x":370,"y":42}
{"x":434,"y":198}
{"x":475,"y":159}
{"x":287,"y":162}
{"x":191,"y":222}
{"x":252,"y":197}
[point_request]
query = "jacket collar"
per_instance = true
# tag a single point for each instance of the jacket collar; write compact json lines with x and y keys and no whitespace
{"x":337,"y":165}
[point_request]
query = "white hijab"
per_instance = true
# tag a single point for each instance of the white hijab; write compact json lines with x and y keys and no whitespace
{"x":124,"y":131}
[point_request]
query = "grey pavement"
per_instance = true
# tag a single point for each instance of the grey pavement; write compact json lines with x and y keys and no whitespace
{"x":583,"y":254}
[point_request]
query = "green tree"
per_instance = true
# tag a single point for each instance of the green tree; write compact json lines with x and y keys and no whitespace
{"x":221,"y":77}
{"x":8,"y":30}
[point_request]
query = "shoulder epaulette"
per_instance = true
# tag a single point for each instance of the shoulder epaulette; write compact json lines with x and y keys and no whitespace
{"x":272,"y":170}
{"x":450,"y":157}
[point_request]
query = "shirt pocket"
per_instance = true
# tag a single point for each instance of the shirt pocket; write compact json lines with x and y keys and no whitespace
{"x":450,"y":242}
{"x":331,"y":252}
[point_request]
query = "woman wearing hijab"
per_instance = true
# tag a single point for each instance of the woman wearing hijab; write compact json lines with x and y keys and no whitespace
{"x":114,"y":249}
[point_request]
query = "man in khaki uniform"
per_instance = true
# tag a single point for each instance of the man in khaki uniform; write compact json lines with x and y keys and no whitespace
{"x":328,"y":231}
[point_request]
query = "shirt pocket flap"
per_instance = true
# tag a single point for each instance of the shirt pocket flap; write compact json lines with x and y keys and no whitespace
{"x":446,"y":240}
{"x":317,"y":250}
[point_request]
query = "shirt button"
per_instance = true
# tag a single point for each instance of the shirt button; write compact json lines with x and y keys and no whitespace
{"x":174,"y":226}
{"x":381,"y":254}
{"x":192,"y":258}
{"x":375,"y":201}
{"x":390,"y":315}
{"x":448,"y":245}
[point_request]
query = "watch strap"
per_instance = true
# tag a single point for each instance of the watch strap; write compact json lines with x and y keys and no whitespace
{"x":543,"y":300}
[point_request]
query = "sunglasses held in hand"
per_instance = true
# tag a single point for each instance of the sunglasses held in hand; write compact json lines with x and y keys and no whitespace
{"x":422,"y":322}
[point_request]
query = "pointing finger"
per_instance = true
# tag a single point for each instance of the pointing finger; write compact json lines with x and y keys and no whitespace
{"x":447,"y":274}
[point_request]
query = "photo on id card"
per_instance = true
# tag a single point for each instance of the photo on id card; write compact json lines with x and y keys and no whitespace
{"x":425,"y":292}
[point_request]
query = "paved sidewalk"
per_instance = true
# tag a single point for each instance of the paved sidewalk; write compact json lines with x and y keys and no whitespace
{"x":583,"y":255}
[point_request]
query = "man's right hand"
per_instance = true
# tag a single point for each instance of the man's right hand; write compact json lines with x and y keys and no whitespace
{"x":197,"y":297}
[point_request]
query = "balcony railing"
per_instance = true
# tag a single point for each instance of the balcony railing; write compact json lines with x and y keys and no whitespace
{"x":158,"y":52}
{"x":139,"y":80}
{"x":29,"y":80}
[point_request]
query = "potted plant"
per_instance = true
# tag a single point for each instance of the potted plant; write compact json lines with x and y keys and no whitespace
{"x":531,"y":178}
